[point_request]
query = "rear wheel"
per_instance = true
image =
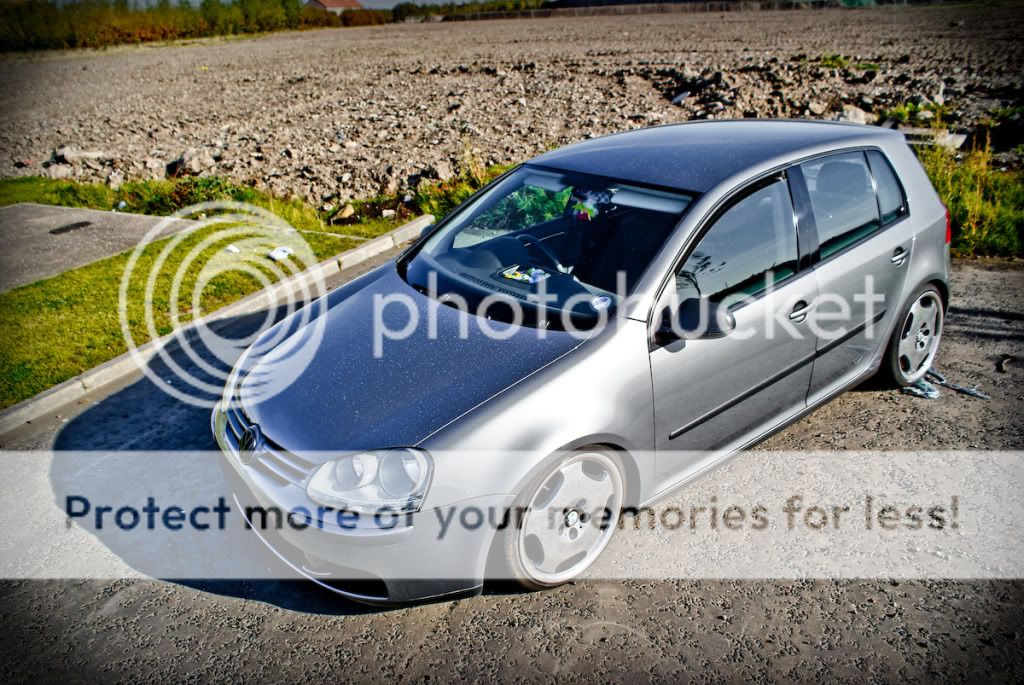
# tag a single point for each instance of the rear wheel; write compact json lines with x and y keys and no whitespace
{"x":915,"y":340}
{"x":568,"y":515}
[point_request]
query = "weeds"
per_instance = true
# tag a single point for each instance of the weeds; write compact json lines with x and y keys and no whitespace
{"x":911,"y":112}
{"x":442,"y":198}
{"x":158,"y":198}
{"x":986,"y":205}
{"x":832,"y":61}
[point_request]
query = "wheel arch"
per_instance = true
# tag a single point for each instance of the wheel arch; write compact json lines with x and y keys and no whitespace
{"x":943,"y":287}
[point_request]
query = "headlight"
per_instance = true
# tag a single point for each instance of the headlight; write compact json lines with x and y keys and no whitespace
{"x":388,"y":480}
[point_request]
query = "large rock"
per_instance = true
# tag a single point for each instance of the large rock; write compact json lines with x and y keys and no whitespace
{"x":856,"y":115}
{"x":59,"y":171}
{"x":71,"y":155}
{"x":192,"y":162}
{"x":442,"y":171}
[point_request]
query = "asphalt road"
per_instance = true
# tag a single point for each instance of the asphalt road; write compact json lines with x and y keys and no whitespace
{"x":710,"y":630}
{"x":41,"y":241}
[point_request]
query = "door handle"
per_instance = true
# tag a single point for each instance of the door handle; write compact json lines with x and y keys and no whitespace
{"x":899,"y":257}
{"x":799,"y":313}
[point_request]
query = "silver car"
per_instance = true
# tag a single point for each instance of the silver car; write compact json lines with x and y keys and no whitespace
{"x":581,"y":337}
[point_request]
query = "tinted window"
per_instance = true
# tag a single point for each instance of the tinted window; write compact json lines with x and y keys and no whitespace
{"x":890,"y":195}
{"x":750,"y":247}
{"x":842,"y":199}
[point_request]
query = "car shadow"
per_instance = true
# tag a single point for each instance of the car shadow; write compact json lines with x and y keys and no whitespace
{"x":113,"y":451}
{"x":978,"y":323}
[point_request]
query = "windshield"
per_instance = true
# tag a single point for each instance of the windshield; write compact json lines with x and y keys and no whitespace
{"x":547,"y":240}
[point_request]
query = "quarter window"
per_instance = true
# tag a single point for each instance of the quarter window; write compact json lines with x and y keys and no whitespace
{"x":842,"y":199}
{"x":748,"y":249}
{"x":890,"y":195}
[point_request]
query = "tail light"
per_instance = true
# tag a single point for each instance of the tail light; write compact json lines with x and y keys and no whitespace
{"x":949,"y":228}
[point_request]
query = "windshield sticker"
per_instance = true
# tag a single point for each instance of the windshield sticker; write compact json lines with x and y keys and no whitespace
{"x":601,"y":302}
{"x":531,"y":275}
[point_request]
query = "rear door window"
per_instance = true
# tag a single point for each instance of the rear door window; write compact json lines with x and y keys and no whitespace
{"x":842,"y":199}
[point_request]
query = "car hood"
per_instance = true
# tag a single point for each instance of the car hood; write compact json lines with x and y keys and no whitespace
{"x":344,"y":397}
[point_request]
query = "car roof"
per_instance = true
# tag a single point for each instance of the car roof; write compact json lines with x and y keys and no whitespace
{"x":696,"y":156}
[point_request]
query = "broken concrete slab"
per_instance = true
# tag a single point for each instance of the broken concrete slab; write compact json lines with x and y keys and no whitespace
{"x":917,"y":135}
{"x":40,"y":241}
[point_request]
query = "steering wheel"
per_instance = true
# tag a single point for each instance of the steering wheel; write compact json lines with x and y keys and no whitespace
{"x":543,"y":249}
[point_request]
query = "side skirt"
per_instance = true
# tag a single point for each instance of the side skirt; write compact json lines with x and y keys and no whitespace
{"x":782,"y":425}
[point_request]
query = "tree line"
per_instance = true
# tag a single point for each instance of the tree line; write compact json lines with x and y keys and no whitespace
{"x":45,"y":24}
{"x":49,"y":24}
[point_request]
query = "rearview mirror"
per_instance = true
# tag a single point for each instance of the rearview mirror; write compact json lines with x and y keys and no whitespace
{"x":696,"y":319}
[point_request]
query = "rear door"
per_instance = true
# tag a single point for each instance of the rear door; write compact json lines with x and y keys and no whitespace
{"x":864,"y":241}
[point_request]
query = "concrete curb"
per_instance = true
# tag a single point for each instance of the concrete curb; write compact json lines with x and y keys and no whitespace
{"x":75,"y":388}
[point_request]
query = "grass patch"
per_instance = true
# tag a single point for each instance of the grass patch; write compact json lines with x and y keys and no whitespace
{"x":59,"y":327}
{"x":157,"y":198}
{"x":867,"y":66}
{"x":45,"y":191}
{"x":986,"y":205}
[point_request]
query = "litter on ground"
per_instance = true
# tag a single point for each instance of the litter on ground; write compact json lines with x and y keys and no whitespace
{"x":928,"y":391}
{"x":922,"y":389}
{"x":941,"y":380}
{"x":279,"y":254}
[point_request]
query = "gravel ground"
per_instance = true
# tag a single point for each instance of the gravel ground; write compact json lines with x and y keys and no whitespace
{"x":333,"y":114}
{"x":857,"y":630}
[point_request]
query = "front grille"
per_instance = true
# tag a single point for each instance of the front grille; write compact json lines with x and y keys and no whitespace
{"x":274,"y":461}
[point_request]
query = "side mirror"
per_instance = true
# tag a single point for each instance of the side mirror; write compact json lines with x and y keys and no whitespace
{"x":425,"y":230}
{"x":696,"y":319}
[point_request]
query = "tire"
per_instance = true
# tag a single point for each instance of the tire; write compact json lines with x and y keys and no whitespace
{"x":563,"y":519}
{"x":915,"y":339}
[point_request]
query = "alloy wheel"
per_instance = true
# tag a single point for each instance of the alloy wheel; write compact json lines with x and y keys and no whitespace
{"x":570,"y":518}
{"x":919,"y":337}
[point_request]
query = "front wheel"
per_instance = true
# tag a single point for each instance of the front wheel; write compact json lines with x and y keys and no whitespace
{"x":915,"y":340}
{"x":567,"y":517}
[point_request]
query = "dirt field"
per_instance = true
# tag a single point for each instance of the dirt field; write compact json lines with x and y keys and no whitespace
{"x":661,"y":631}
{"x":340,"y":113}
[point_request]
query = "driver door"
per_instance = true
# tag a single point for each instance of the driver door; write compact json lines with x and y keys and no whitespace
{"x":715,"y":394}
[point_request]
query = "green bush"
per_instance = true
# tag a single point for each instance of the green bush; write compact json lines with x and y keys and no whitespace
{"x":986,"y":205}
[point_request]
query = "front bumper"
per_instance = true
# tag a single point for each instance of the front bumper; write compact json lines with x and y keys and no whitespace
{"x":425,"y":555}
